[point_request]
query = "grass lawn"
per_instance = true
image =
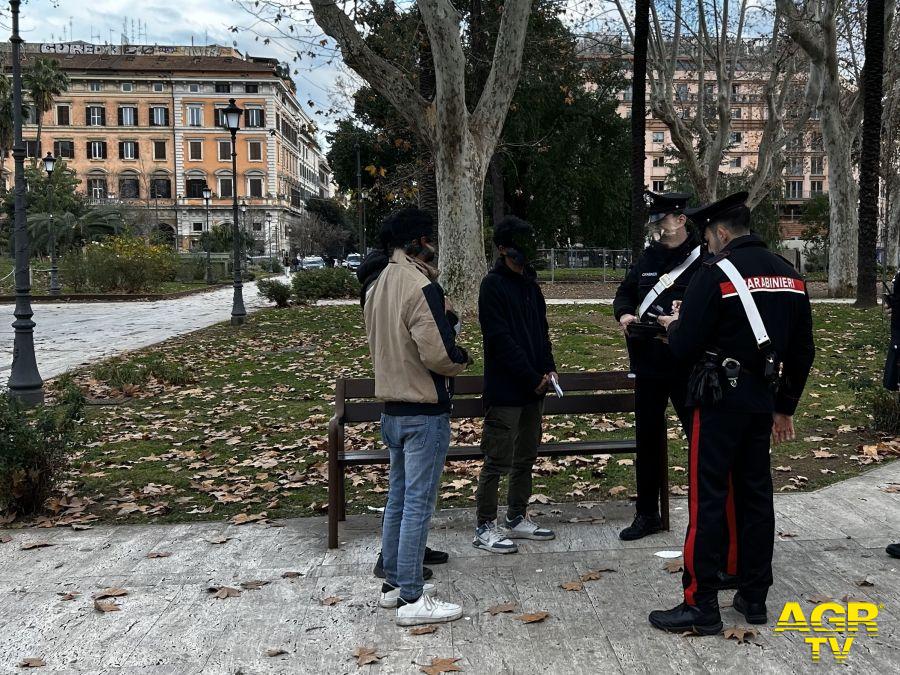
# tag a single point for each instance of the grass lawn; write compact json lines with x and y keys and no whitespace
{"x":248,"y":432}
{"x":585,"y":274}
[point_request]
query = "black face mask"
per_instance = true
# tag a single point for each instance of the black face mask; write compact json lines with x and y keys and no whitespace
{"x":521,"y":248}
{"x":517,"y":256}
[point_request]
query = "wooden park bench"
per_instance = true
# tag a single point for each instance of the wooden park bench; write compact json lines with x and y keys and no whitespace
{"x":585,"y":393}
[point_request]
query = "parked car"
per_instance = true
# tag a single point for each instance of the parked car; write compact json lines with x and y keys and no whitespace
{"x":312,"y":262}
{"x":353,"y":261}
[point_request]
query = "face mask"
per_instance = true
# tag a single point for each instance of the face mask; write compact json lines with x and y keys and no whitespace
{"x":516,"y":256}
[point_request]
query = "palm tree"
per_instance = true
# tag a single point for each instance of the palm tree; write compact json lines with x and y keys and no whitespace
{"x":44,"y":81}
{"x":69,"y":230}
{"x":6,"y":124}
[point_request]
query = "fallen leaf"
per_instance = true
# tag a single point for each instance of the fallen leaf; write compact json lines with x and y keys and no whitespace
{"x":618,"y":489}
{"x":850,"y":598}
{"x":535,"y":617}
{"x":222,"y":592}
{"x":823,"y":454}
{"x":502,"y":608}
{"x":594,"y":575}
{"x":817,"y":598}
{"x":27,"y":546}
{"x":786,"y":535}
{"x":441,"y":666}
{"x":254,"y":585}
{"x":689,"y":633}
{"x":107,"y":606}
{"x":219,"y":540}
{"x":32,"y":662}
{"x":331,"y":600}
{"x":276,"y":652}
{"x":625,"y":462}
{"x":244,"y":518}
{"x":423,"y":630}
{"x":291,"y":575}
{"x":539,"y":499}
{"x":66,"y":596}
{"x":740,"y":633}
{"x":673,"y":566}
{"x":366,"y":655}
{"x":865,"y":582}
{"x":110,"y":593}
{"x":5,"y":539}
{"x":783,"y":468}
{"x":159,"y":554}
{"x":572,"y":586}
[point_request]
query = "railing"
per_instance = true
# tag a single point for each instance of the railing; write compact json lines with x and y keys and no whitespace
{"x":582,"y":264}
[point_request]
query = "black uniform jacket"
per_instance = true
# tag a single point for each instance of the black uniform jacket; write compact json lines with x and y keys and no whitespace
{"x":712,"y":318}
{"x":651,"y":357}
{"x":892,"y":364}
{"x":517,"y":351}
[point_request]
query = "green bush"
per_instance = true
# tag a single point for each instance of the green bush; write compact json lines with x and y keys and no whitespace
{"x":885,"y":408}
{"x":274,"y":291}
{"x":73,"y":271}
{"x":128,"y":264}
{"x":329,"y":283}
{"x":121,"y":373}
{"x":35,"y":447}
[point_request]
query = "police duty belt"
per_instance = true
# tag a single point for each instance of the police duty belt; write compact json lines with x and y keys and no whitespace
{"x":667,"y":281}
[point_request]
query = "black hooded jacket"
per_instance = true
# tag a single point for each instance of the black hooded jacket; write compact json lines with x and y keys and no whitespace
{"x":368,"y":271}
{"x":517,"y":350}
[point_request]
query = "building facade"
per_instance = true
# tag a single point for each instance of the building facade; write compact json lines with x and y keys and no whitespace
{"x":142,"y":126}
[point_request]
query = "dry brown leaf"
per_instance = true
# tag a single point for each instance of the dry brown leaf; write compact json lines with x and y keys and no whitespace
{"x":159,"y":554}
{"x":625,"y":462}
{"x":331,"y":600}
{"x":594,"y":575}
{"x":817,"y":598}
{"x":366,"y":655}
{"x":110,"y":593}
{"x":218,"y":540}
{"x":572,"y":586}
{"x":618,"y":489}
{"x":690,"y":633}
{"x":674,"y":566}
{"x":535,"y":617}
{"x":441,"y":666}
{"x":222,"y":592}
{"x":32,"y":662}
{"x":823,"y":454}
{"x":783,"y":469}
{"x":254,"y":585}
{"x":27,"y":546}
{"x":107,"y":606}
{"x":740,"y":633}
{"x":291,"y":575}
{"x":423,"y":630}
{"x":502,"y":608}
{"x":5,"y":539}
{"x":276,"y":652}
{"x":244,"y":518}
{"x":849,"y":598}
{"x":786,"y":535}
{"x":66,"y":596}
{"x":867,"y":581}
{"x":539,"y":499}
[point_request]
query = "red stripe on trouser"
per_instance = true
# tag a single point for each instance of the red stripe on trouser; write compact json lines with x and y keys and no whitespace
{"x":693,"y":508}
{"x":732,"y":530}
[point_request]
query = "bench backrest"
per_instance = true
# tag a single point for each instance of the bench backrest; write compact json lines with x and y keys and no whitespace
{"x":588,"y":392}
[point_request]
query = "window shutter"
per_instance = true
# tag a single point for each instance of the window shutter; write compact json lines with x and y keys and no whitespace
{"x":103,"y":117}
{"x":103,"y":149}
{"x":87,"y":115}
{"x":137,"y":150}
{"x":166,"y":116}
{"x":121,"y":149}
{"x":121,"y":114}
{"x":56,"y":146}
{"x":262,"y":118}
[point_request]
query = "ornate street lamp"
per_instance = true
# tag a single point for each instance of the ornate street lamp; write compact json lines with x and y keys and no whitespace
{"x":269,"y":235}
{"x":25,"y":381}
{"x":232,"y":115}
{"x":49,"y":163}
{"x":207,"y":193}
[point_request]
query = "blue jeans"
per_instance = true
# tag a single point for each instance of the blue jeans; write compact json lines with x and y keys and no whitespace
{"x":418,"y":445}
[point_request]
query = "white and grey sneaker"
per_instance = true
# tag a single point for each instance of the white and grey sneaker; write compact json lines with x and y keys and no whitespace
{"x":491,"y":538}
{"x":390,"y":595}
{"x":523,"y":527}
{"x":427,"y":609}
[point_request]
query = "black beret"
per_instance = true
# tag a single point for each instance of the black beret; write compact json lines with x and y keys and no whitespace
{"x":405,"y":225}
{"x":704,"y":216}
{"x":660,"y":205}
{"x":508,"y":227}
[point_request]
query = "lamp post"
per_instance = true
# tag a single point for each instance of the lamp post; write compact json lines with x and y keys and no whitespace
{"x":232,"y":115}
{"x":49,"y":164}
{"x":360,"y":207}
{"x":25,"y":381}
{"x":207,"y":193}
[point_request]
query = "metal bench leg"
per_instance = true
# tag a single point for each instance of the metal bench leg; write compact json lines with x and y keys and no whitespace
{"x":664,"y":480}
{"x":342,"y":498}
{"x":332,"y":515}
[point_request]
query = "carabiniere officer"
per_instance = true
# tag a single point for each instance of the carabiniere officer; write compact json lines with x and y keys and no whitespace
{"x":658,"y":278}
{"x":746,"y":322}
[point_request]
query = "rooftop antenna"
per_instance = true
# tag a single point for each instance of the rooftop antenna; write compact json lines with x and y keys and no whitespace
{"x":111,"y":34}
{"x":70,"y":30}
{"x":133,"y":38}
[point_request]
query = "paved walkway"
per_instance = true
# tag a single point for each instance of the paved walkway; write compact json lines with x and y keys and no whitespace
{"x":170,"y":623}
{"x":70,"y":334}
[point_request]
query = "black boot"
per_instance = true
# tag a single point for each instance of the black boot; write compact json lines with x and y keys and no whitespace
{"x":703,"y":620}
{"x":754,"y":612}
{"x":893,"y":550}
{"x":641,"y":527}
{"x":379,"y":569}
{"x":725,"y":581}
{"x":433,"y":557}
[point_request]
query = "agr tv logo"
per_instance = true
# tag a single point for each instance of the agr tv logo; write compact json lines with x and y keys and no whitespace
{"x":841,"y":624}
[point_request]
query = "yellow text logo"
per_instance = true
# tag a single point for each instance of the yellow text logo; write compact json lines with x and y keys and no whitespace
{"x":837,"y":624}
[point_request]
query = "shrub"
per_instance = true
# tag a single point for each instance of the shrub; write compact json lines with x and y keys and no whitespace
{"x":73,"y":270}
{"x":885,"y":408}
{"x":35,"y":447}
{"x":129,"y":264}
{"x":121,"y":373}
{"x":312,"y":285}
{"x":274,"y":291}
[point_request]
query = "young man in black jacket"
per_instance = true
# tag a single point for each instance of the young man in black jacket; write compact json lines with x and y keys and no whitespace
{"x":518,"y":369}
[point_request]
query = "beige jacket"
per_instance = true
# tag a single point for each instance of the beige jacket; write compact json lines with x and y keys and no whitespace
{"x":413,"y":346}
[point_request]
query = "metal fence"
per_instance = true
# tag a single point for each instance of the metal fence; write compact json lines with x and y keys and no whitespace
{"x":582,"y":264}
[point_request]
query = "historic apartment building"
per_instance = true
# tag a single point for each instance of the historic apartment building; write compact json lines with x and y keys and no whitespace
{"x":805,"y":174}
{"x":142,"y":125}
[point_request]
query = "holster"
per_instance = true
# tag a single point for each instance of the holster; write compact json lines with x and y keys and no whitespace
{"x":705,"y":383}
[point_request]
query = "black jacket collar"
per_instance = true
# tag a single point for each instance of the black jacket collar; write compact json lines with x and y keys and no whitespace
{"x":745,"y":241}
{"x":501,"y":268}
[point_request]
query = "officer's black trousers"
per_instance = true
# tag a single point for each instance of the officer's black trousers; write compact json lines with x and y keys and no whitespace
{"x":729,"y":448}
{"x":651,"y":396}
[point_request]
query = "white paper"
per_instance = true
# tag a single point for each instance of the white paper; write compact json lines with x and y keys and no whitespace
{"x":668,"y":554}
{"x":556,"y":387}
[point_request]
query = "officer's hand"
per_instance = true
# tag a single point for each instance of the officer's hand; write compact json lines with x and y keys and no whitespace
{"x":782,"y":428}
{"x":666,"y":319}
{"x":542,"y":387}
{"x":626,"y":319}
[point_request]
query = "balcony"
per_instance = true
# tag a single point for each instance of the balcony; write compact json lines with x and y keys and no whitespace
{"x":801,"y":195}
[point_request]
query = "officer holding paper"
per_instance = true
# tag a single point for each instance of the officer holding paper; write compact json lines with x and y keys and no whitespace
{"x":657,"y":280}
{"x":746,"y":324}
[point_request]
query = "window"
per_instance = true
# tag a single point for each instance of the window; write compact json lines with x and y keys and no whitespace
{"x":735,"y":162}
{"x":161,"y":188}
{"x":794,"y":166}
{"x":96,"y":149}
{"x":816,"y":142}
{"x":32,"y":149}
{"x":659,"y":186}
{"x":158,"y":86}
{"x":735,"y":91}
{"x":627,"y":93}
{"x":659,"y":136}
{"x":681,"y":92}
{"x":195,"y":150}
{"x":159,"y":149}
{"x":195,"y":116}
{"x":251,"y":88}
{"x":97,"y":188}
{"x":224,"y":150}
{"x":255,"y":117}
{"x":197,"y":227}
{"x":64,"y":149}
{"x":129,"y":150}
{"x":793,"y":189}
{"x":62,"y":115}
{"x":257,"y":227}
{"x":129,"y":188}
{"x":659,"y":161}
{"x":816,"y":187}
{"x":225,"y":185}
{"x":95,"y":86}
{"x":127,"y":116}
{"x":194,"y":187}
{"x":255,"y":187}
{"x":254,"y":151}
{"x":127,"y":86}
{"x":159,"y":116}
{"x":797,"y":144}
{"x":737,"y":137}
{"x":194,"y":88}
{"x":223,"y":88}
{"x":817,"y":166}
{"x":96,"y":116}
{"x":735,"y":113}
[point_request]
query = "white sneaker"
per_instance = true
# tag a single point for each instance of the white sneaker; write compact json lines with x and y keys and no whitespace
{"x":522,"y":527}
{"x":491,"y":538}
{"x":389,"y":598}
{"x":427,"y":609}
